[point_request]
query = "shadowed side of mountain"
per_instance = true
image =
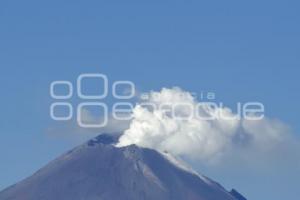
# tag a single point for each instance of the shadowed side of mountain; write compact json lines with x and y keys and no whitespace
{"x":237,"y":195}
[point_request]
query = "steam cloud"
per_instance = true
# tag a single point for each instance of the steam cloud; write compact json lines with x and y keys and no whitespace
{"x":206,"y":140}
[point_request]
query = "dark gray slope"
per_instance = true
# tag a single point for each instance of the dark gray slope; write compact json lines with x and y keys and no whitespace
{"x":99,"y":171}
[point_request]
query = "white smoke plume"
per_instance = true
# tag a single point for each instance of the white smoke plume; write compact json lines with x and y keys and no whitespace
{"x":159,"y":128}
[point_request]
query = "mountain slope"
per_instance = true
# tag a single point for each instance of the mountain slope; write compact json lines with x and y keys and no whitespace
{"x":99,"y":171}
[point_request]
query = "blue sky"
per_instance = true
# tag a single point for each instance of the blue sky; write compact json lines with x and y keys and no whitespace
{"x":242,"y":51}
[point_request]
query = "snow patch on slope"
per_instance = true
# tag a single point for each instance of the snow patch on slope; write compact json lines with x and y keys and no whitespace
{"x":184,"y":166}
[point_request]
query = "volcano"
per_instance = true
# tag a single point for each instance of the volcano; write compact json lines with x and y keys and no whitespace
{"x":97,"y":170}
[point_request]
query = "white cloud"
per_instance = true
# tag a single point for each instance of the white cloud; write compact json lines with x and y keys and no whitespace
{"x":195,"y":138}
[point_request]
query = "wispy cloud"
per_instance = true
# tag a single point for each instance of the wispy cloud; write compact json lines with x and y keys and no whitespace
{"x":208,"y":141}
